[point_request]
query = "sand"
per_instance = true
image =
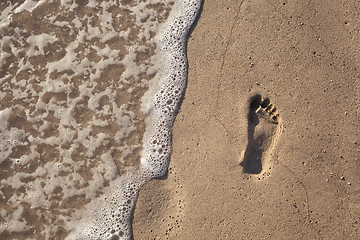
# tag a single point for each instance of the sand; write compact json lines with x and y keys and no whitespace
{"x":240,"y":170}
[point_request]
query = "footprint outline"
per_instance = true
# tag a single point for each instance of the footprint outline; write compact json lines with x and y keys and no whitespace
{"x":261,"y":141}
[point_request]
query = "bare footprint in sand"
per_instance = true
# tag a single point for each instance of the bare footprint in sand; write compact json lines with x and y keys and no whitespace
{"x":264,"y":129}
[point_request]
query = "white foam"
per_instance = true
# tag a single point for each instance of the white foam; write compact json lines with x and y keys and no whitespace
{"x":112,"y":197}
{"x":160,"y":103}
{"x":162,"y":100}
{"x":39,"y":41}
{"x":29,"y":6}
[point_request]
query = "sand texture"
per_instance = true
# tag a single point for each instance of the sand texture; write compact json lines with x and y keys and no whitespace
{"x":266,"y":143}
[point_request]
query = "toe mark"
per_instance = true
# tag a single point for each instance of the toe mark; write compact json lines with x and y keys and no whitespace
{"x":255,"y":102}
{"x":265,"y":103}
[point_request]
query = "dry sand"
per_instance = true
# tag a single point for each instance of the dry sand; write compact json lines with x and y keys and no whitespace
{"x":304,"y":57}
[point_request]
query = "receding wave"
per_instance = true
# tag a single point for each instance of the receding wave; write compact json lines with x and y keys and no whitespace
{"x":88,"y":95}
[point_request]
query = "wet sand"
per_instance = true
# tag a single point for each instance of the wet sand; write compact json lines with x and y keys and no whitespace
{"x":282,"y":164}
{"x":72,"y":78}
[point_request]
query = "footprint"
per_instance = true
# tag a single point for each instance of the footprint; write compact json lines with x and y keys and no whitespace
{"x":264,"y":129}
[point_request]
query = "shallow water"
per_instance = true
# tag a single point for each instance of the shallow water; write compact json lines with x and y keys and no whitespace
{"x":89,"y":92}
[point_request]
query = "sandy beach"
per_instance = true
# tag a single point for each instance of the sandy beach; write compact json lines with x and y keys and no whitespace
{"x":266,"y":143}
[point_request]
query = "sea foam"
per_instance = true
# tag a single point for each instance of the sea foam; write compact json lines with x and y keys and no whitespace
{"x":76,"y":142}
{"x":160,"y":104}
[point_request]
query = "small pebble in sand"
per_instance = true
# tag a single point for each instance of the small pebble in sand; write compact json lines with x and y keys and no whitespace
{"x":342,"y":178}
{"x":349,"y":183}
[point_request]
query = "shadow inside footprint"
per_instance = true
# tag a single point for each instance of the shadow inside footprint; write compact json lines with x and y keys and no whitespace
{"x":262,"y":113}
{"x":252,"y":156}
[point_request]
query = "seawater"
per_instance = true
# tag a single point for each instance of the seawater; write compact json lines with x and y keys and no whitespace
{"x":88,"y":94}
